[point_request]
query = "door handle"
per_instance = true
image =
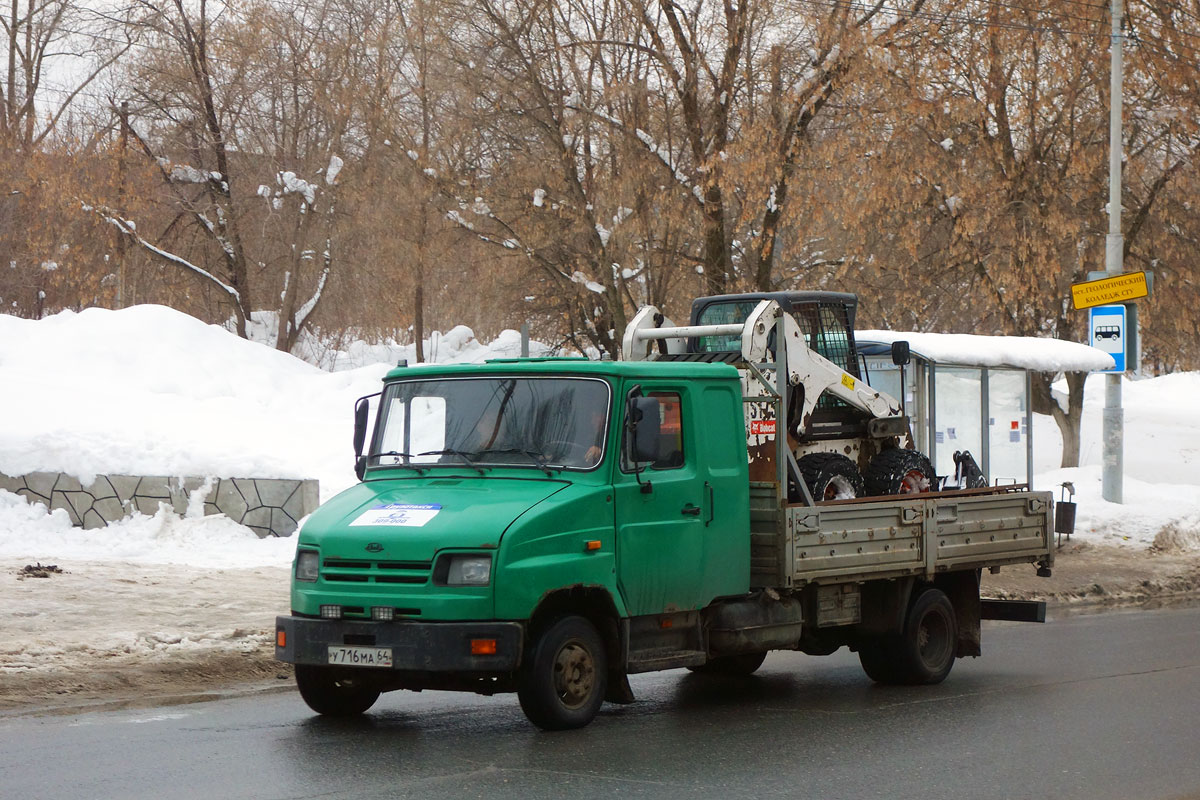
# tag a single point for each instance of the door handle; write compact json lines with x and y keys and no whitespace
{"x":691,"y":510}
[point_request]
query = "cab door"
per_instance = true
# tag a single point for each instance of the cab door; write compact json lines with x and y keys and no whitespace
{"x":660,"y":530}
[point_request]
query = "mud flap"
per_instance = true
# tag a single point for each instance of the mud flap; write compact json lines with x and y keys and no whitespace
{"x":963,"y":590}
{"x":619,"y":690}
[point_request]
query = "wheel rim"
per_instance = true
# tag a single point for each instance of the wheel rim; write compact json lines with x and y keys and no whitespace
{"x":914,"y":482}
{"x":839,"y":488}
{"x":933,"y":640}
{"x":574,"y":674}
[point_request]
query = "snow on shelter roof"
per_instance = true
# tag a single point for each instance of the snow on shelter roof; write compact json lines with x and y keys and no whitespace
{"x":971,"y":350}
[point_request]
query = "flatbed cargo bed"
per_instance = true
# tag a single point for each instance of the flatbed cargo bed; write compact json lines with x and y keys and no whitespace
{"x":892,"y":537}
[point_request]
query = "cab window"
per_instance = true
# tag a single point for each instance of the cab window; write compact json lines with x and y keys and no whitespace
{"x":670,"y":435}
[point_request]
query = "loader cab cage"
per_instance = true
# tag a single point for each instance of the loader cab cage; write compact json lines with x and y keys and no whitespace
{"x":825,"y":318}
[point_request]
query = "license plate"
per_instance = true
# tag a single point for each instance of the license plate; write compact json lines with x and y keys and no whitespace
{"x":361,"y":656}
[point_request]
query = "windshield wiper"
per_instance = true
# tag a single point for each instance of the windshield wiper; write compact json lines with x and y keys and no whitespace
{"x":399,"y":464}
{"x":538,"y":458}
{"x":449,"y":451}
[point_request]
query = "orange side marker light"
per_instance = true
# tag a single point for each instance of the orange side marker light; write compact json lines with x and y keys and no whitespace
{"x":483,"y":647}
{"x":281,"y":638}
{"x":594,"y":544}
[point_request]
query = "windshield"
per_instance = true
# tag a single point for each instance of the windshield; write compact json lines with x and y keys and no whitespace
{"x":485,"y":422}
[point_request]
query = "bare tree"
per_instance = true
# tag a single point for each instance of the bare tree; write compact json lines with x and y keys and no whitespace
{"x":244,"y":115}
{"x":54,"y":51}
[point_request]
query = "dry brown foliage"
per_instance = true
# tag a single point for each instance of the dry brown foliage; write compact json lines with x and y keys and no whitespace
{"x":562,"y":162}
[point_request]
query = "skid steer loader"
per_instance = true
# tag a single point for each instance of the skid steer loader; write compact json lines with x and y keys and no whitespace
{"x":822,"y":429}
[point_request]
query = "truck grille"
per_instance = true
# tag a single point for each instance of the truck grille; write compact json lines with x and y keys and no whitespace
{"x":341,"y":570}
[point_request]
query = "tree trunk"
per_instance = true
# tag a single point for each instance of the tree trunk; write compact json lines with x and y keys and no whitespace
{"x":1068,"y":420}
{"x":419,"y":302}
{"x":770,"y":234}
{"x":287,"y":309}
{"x":716,"y":248}
{"x":10,"y":100}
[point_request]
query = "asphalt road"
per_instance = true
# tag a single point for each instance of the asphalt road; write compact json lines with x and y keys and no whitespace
{"x":1089,"y":707}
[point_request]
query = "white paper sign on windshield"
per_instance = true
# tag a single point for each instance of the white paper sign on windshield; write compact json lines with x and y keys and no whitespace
{"x":404,"y":515}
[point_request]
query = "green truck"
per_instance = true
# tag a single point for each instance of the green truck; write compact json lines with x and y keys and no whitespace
{"x":552,"y":526}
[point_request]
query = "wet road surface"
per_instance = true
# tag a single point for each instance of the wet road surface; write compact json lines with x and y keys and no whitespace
{"x":1098,"y":706}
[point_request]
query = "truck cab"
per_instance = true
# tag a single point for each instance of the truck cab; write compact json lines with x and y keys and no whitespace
{"x":493,"y":498}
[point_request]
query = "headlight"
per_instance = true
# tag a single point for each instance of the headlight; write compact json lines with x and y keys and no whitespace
{"x":307,"y":565}
{"x":464,"y":570}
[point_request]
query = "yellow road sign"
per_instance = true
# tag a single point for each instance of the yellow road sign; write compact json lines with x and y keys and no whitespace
{"x":1117,"y":289}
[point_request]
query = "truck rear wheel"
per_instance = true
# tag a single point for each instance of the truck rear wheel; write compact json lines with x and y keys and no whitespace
{"x":900,"y":471}
{"x":830,"y":476}
{"x":332,"y":693}
{"x":741,"y":664}
{"x":924,"y":652}
{"x":877,"y":661}
{"x":565,"y":676}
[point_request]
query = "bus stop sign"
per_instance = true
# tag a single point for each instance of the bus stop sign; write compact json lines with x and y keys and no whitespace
{"x":1108,"y":331}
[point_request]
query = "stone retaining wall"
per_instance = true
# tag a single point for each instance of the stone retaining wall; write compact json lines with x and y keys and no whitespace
{"x":269,"y":506}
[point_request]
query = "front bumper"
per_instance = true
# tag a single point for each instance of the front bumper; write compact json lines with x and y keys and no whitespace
{"x":416,"y":646}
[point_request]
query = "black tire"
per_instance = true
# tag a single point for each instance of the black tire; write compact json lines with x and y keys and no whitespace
{"x":900,"y":471}
{"x":831,"y":476}
{"x":925,"y":650}
{"x":877,"y":659}
{"x":565,"y":676}
{"x":334,"y":693}
{"x":741,"y":664}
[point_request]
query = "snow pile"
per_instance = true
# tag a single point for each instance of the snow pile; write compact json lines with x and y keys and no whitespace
{"x":152,"y":391}
{"x":345,"y":352}
{"x":27,"y":531}
{"x":1161,"y":455}
{"x":1182,"y":536}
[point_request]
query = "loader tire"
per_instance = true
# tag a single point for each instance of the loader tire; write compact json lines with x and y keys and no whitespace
{"x":831,"y":476}
{"x":900,"y":471}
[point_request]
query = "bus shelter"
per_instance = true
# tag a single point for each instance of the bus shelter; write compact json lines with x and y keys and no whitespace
{"x":973,"y":393}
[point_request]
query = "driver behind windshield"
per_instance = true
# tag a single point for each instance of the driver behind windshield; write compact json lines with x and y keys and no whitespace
{"x":522,"y":422}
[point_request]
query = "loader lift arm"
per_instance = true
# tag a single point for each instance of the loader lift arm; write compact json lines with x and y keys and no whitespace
{"x":810,"y":371}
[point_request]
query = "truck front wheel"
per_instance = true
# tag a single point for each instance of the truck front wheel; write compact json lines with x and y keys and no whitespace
{"x":333,"y":694}
{"x":565,"y":678}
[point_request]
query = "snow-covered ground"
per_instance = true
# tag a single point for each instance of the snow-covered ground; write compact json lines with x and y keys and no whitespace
{"x":148,"y":390}
{"x":151,"y":391}
{"x":1162,"y":464}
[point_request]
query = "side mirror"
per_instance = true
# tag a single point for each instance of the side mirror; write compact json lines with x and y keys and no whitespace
{"x":643,"y":421}
{"x":900,"y":353}
{"x":361,"y":409}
